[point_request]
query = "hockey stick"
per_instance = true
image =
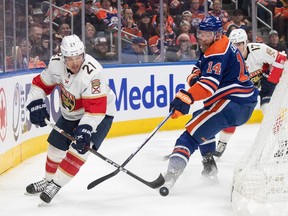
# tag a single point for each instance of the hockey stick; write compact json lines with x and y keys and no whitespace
{"x":166,"y":157}
{"x":154,"y":184}
{"x":110,"y":175}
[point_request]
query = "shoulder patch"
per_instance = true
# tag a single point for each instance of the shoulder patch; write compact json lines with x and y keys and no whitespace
{"x":95,"y":86}
{"x":271,"y":52}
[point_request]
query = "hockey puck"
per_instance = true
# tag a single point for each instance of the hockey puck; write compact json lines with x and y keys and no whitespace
{"x":164,"y":191}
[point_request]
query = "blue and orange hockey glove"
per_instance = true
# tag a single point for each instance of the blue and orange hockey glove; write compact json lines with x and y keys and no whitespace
{"x":194,"y":76}
{"x":181,"y":104}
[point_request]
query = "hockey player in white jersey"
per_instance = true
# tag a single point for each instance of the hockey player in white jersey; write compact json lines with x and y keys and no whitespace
{"x":265,"y":66}
{"x":87,"y":109}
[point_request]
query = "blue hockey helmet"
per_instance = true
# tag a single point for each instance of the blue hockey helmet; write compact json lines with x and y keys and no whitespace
{"x":211,"y":23}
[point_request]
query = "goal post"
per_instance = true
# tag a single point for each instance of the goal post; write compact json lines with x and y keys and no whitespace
{"x":260,"y":178}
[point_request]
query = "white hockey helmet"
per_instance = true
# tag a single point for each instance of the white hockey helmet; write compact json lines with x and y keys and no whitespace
{"x":71,"y":45}
{"x":238,"y":36}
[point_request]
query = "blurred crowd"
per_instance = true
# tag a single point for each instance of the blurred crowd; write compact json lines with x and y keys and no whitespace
{"x":140,"y":27}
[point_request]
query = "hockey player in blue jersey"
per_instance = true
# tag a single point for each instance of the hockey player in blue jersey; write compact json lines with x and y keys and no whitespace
{"x":221,"y":80}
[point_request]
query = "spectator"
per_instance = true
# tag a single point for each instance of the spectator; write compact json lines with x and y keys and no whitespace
{"x":230,"y":29}
{"x":219,"y":12}
{"x":37,"y":16}
{"x":35,"y":38}
{"x":249,"y":32}
{"x":129,"y":26}
{"x":209,"y":4}
{"x":187,"y":15}
{"x":176,"y":7}
{"x":197,"y":13}
{"x":275,"y":43}
{"x":184,"y":50}
{"x":64,"y":29}
{"x":168,"y":19}
{"x":136,"y":53}
{"x":280,"y":19}
{"x":23,"y":50}
{"x":100,"y":52}
{"x":90,"y":33}
{"x":185,"y":27}
{"x":146,"y":27}
{"x":154,"y":42}
{"x":90,"y":17}
{"x":237,"y":20}
{"x":107,"y":15}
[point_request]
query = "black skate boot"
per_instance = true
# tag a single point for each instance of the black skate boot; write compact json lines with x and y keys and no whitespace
{"x":50,"y":191}
{"x":221,"y":146}
{"x":210,"y":168}
{"x":36,"y":187}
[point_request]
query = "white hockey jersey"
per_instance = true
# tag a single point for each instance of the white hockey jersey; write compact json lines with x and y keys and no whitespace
{"x":85,"y":95}
{"x":259,"y":56}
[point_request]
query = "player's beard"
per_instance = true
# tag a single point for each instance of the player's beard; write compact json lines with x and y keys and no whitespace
{"x":204,"y":46}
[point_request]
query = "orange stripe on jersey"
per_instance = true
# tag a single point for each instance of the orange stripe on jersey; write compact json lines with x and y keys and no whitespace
{"x":218,"y":48}
{"x":208,"y":82}
{"x":71,"y":164}
{"x":37,"y":81}
{"x":95,"y":105}
{"x":195,"y":122}
{"x":235,"y":90}
{"x":179,"y":150}
{"x":198,"y":92}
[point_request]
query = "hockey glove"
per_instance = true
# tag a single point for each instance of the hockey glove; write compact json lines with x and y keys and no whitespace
{"x":276,"y":68}
{"x":255,"y":77}
{"x":194,"y":76}
{"x":38,"y":112}
{"x":181,"y":103}
{"x":82,"y":136}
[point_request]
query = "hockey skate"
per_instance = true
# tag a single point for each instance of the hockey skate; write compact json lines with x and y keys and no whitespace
{"x":170,"y":179}
{"x":210,"y":168}
{"x":50,"y":191}
{"x":221,"y":146}
{"x":36,"y":187}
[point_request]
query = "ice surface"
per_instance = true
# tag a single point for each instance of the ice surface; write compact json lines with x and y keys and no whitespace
{"x":122,"y":195}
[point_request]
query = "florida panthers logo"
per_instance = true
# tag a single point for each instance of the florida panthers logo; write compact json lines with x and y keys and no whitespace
{"x":68,"y":100}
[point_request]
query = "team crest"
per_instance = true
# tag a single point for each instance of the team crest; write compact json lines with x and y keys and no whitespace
{"x":96,"y":86}
{"x":68,"y":99}
{"x":271,"y":52}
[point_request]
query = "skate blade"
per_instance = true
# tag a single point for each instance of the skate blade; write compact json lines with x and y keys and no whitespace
{"x":211,"y":178}
{"x":42,"y":204}
{"x":29,"y":194}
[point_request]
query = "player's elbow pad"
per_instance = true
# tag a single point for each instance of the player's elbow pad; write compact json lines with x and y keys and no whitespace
{"x":277,"y":68}
{"x":194,"y":76}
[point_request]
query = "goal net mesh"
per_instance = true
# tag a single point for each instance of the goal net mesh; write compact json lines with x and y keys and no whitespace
{"x":260,"y":180}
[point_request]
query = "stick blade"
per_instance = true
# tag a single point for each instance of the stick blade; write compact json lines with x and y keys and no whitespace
{"x":158,"y":182}
{"x":104,"y":178}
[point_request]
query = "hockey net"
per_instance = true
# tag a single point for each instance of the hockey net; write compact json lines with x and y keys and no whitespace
{"x":260,"y":181}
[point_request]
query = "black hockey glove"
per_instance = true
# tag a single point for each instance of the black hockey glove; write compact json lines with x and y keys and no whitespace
{"x":181,"y":103}
{"x":82,"y":136}
{"x":38,"y":112}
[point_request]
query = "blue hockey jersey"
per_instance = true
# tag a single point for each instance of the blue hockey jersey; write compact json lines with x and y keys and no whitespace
{"x":223,"y":75}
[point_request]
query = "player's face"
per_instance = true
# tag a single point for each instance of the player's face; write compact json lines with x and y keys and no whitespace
{"x":205,"y":39}
{"x":73,"y":63}
{"x":241,"y":47}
